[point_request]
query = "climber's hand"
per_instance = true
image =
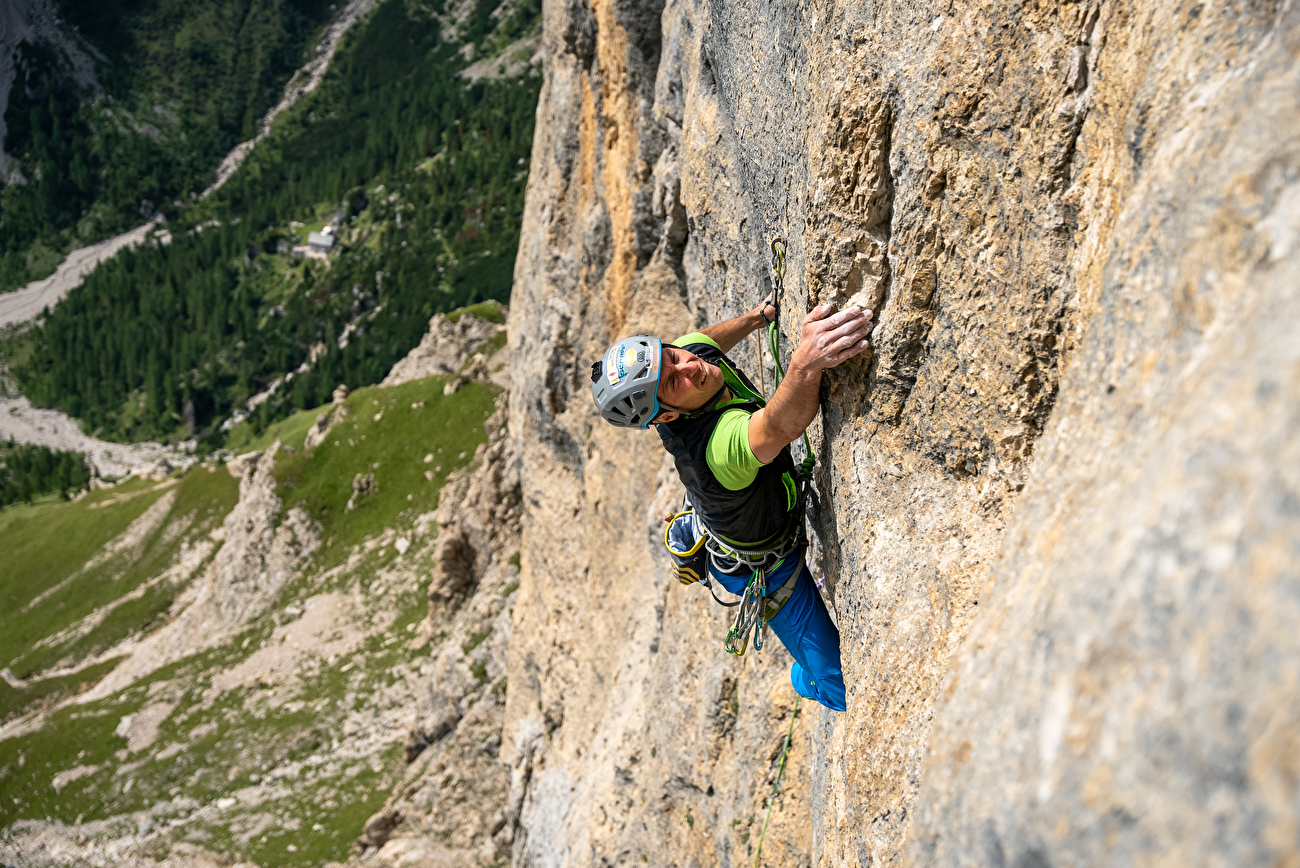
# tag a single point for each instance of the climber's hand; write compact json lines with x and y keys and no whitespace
{"x":828,"y":338}
{"x":831,"y":337}
{"x":765,"y":311}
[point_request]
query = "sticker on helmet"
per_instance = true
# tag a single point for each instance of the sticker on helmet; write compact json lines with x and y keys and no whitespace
{"x":623,"y":360}
{"x":614,"y":367}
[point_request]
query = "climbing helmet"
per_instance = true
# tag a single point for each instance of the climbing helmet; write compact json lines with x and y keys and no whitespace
{"x":625,"y":382}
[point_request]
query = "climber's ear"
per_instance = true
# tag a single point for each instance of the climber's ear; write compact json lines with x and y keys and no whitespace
{"x":667,"y":416}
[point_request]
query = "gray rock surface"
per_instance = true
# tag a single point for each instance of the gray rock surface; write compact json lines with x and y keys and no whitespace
{"x":1130,"y":693}
{"x":1056,"y":505}
{"x":444,"y":349}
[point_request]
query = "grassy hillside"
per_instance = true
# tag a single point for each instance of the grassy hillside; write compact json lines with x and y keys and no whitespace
{"x":57,"y":589}
{"x":389,"y":432}
{"x":291,"y":431}
{"x":276,"y":746}
{"x":429,"y":172}
{"x":176,"y":86}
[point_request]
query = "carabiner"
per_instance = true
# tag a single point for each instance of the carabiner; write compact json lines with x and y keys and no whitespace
{"x":778,"y":265}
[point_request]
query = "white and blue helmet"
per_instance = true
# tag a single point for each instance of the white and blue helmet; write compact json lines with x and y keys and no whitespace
{"x":625,"y":382}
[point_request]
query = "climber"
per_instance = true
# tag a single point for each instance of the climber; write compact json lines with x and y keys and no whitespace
{"x":732,"y":452}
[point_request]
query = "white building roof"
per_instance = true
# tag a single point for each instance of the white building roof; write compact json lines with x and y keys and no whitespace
{"x":320,"y":240}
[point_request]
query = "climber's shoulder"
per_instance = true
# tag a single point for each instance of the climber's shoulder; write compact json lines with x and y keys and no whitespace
{"x":699,"y":343}
{"x":730,"y":456}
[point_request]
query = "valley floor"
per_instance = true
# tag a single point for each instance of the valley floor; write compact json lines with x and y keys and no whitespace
{"x":52,"y":428}
{"x":222,"y":666}
{"x":27,"y":303}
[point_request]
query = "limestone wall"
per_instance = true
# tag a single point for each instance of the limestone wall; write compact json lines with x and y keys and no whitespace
{"x":1057,"y":505}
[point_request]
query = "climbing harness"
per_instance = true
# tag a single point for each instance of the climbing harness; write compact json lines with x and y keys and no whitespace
{"x":692,"y":545}
{"x":785,"y":752}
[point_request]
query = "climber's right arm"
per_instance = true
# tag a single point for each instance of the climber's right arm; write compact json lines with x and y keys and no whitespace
{"x":827,"y":339}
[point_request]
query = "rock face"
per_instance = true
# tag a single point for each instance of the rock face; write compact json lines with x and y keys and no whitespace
{"x":1056,"y":505}
{"x":445,"y":349}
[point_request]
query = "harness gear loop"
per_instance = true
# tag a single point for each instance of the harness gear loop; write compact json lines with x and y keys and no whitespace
{"x":691,"y":546}
{"x":749,"y":616}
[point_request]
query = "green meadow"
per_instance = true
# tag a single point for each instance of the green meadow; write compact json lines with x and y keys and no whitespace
{"x":206,"y":775}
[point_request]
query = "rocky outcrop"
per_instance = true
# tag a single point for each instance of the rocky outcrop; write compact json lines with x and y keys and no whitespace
{"x":1054,"y":504}
{"x":337,"y":412}
{"x":261,"y":549}
{"x":451,"y":805}
{"x":446,"y":348}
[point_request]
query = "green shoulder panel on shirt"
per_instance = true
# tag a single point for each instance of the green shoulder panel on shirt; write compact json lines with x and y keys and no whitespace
{"x":730,"y":458}
{"x":696,"y":338}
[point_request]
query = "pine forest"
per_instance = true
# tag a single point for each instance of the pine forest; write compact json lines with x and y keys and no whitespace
{"x":417,"y":170}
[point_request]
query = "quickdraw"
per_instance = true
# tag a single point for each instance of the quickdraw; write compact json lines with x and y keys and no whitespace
{"x":750,"y":616}
{"x":692,"y":546}
{"x":758,"y":605}
{"x":774,"y":344}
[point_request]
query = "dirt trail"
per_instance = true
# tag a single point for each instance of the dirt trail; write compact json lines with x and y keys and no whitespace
{"x":304,"y":81}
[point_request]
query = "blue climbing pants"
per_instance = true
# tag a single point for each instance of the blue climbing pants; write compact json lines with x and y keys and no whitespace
{"x":806,"y":630}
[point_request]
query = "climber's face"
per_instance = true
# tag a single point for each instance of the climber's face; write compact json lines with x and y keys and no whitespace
{"x":686,"y":381}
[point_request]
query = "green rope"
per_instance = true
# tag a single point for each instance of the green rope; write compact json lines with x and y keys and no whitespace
{"x":785,"y":750}
{"x":778,"y":374}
